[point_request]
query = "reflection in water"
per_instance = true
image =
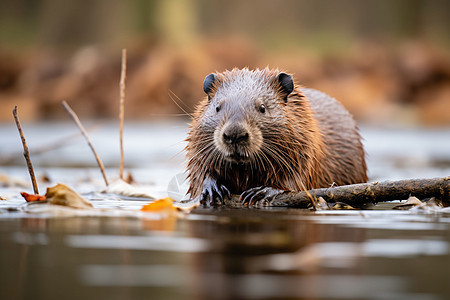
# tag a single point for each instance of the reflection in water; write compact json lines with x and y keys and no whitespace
{"x":228,"y":253}
{"x":280,"y":286}
{"x":151,"y":243}
{"x":135,"y":276}
{"x":276,"y":253}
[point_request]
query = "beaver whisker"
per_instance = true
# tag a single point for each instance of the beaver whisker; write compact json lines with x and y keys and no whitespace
{"x":289,"y":146}
{"x":269,"y":160}
{"x":281,"y":161}
{"x":201,"y":151}
{"x":257,"y":162}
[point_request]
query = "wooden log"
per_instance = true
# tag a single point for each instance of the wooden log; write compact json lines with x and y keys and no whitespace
{"x":363,"y":194}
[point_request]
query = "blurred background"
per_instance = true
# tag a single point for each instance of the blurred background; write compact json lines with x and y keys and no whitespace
{"x":387,"y":61}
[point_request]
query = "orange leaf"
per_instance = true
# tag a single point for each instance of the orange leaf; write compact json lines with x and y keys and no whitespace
{"x":159,"y":205}
{"x":32,"y":197}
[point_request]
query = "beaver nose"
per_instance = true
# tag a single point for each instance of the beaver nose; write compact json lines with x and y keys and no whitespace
{"x":235,"y":136}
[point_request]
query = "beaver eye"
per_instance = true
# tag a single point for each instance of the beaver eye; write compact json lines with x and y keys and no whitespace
{"x":262,"y":108}
{"x":218,"y":107}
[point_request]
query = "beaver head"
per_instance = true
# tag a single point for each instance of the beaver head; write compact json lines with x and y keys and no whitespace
{"x":243,"y":109}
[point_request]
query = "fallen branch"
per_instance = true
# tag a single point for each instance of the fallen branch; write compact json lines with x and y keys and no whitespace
{"x":26,"y":153}
{"x":363,"y":194}
{"x":123,"y":76}
{"x":75,"y":118}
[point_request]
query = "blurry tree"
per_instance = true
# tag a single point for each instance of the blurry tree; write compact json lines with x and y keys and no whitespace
{"x":177,"y":21}
{"x":80,"y":22}
{"x":359,"y":50}
{"x":271,"y":23}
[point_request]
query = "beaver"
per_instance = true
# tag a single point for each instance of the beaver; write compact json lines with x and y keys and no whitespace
{"x":257,"y":134}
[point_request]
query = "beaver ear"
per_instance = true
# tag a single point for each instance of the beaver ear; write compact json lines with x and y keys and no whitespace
{"x":286,"y":84}
{"x":208,"y":83}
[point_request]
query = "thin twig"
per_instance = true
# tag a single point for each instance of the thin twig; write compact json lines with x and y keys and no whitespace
{"x":123,"y":76}
{"x":26,"y":153}
{"x":75,"y":118}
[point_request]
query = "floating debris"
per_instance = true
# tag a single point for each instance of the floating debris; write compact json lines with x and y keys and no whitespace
{"x":341,"y":206}
{"x":321,"y":204}
{"x":410,"y":203}
{"x":165,"y":204}
{"x":32,"y":197}
{"x":61,"y":194}
{"x":120,"y":187}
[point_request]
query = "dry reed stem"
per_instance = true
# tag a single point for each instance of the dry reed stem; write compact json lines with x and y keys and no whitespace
{"x":123,"y":76}
{"x":26,"y":153}
{"x":75,"y":118}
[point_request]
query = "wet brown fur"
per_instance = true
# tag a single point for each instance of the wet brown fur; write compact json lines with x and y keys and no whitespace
{"x":312,"y":143}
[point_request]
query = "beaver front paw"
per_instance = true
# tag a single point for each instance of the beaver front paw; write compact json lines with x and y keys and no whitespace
{"x":259,"y":196}
{"x":213,"y":192}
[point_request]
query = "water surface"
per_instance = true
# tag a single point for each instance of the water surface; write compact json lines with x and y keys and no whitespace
{"x":220,"y":253}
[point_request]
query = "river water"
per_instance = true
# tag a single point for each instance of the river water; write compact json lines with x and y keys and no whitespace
{"x":220,"y":253}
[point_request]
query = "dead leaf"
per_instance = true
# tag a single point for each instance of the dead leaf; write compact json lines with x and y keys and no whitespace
{"x":434,"y":202}
{"x":188,"y":205}
{"x":61,"y":194}
{"x":321,"y":204}
{"x":129,"y":178}
{"x":410,"y":203}
{"x":168,"y":212}
{"x":120,"y":187}
{"x":341,"y":206}
{"x":430,"y":205}
{"x":44,"y":178}
{"x":33,"y":197}
{"x":161,"y":205}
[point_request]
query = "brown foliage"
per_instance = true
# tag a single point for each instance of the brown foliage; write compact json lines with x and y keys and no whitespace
{"x":410,"y":83}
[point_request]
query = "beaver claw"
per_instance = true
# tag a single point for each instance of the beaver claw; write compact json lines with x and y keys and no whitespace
{"x":213,"y":192}
{"x":259,"y":196}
